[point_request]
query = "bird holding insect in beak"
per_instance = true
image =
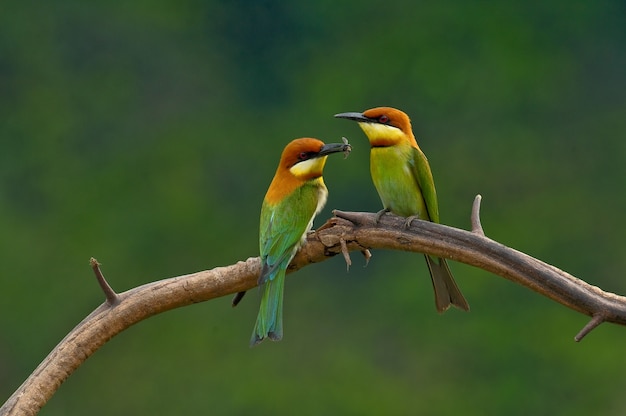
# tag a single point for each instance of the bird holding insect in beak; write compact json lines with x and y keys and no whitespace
{"x":297,"y":193}
{"x":404,"y":181}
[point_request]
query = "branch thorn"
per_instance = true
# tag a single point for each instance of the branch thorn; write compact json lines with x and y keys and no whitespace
{"x":354,"y":217}
{"x":595,"y":321}
{"x":345,"y":252}
{"x":477,"y":228}
{"x":111,"y":297}
{"x":368,"y":255}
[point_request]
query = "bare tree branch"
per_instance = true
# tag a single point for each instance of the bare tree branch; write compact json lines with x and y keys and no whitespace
{"x":347,"y":231}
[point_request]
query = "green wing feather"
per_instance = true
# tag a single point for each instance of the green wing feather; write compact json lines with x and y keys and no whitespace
{"x":281,"y":231}
{"x":446,"y":290}
{"x":424,"y":177}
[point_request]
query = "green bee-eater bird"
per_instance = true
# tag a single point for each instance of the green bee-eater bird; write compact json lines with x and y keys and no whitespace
{"x":404,"y":181}
{"x":297,"y":193}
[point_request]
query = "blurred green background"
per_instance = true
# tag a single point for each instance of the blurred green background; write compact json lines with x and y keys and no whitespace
{"x":146,"y":133}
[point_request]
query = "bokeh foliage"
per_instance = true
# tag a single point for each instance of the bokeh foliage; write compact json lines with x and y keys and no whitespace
{"x":146,"y":133}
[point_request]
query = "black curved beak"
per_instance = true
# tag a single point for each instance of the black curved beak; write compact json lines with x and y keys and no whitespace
{"x":354,"y":116}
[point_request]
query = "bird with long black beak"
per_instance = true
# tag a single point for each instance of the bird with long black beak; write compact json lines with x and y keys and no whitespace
{"x":295,"y":196}
{"x":404,"y":181}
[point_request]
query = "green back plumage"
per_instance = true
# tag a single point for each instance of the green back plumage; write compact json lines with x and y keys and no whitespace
{"x":282,"y":226}
{"x":282,"y":229}
{"x":424,"y":177}
{"x":404,"y":181}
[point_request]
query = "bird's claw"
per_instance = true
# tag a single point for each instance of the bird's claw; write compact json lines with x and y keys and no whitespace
{"x":380,"y":214}
{"x":409,"y":220}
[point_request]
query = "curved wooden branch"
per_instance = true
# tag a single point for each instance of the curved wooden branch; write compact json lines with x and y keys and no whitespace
{"x":347,"y":231}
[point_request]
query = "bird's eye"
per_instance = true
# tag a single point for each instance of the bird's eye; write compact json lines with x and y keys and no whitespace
{"x":383,"y":119}
{"x":303,"y":156}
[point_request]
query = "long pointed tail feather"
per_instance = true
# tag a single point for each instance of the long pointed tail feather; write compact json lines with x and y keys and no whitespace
{"x":269,"y":322}
{"x":446,"y":290}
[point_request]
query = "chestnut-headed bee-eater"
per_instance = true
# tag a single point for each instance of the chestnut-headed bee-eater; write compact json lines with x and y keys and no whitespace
{"x":404,"y":181}
{"x":297,"y":193}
